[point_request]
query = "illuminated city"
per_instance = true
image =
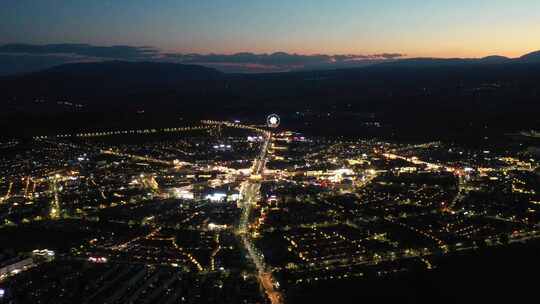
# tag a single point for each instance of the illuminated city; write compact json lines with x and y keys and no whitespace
{"x":224,"y":206}
{"x":269,"y":152}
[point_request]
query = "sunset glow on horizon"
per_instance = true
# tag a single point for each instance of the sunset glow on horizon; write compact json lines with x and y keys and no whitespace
{"x":415,"y":28}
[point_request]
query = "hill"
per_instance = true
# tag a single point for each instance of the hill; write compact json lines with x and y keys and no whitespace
{"x":531,"y":57}
{"x":109,"y":78}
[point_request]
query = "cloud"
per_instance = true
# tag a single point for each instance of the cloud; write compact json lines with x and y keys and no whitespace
{"x":25,"y":58}
{"x":34,"y":57}
{"x":107,"y":52}
{"x":390,"y":55}
{"x":280,"y":61}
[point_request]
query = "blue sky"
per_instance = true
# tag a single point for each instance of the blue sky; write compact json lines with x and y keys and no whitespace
{"x":457,"y":28}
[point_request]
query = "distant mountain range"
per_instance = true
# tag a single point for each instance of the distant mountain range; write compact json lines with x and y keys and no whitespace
{"x":16,"y":59}
{"x":533,"y":57}
{"x":411,"y":93}
{"x":114,"y":78}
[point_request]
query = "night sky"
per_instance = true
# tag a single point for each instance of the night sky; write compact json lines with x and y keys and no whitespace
{"x":457,"y":28}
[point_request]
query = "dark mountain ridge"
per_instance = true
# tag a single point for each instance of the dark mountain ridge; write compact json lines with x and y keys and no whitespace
{"x":134,"y":69}
{"x":109,"y":78}
{"x":531,"y":57}
{"x":450,"y":96}
{"x":121,"y":79}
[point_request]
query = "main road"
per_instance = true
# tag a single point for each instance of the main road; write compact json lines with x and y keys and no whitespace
{"x":250,"y":193}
